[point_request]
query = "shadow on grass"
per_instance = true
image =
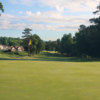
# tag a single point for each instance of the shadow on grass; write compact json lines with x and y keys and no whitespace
{"x":47,"y":56}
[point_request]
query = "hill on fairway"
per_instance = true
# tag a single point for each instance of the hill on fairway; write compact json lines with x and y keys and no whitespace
{"x":48,"y":77}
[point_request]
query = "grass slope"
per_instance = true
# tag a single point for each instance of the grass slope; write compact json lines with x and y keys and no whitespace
{"x":48,"y":77}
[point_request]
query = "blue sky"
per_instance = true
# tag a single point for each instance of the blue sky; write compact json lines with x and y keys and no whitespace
{"x":50,"y":19}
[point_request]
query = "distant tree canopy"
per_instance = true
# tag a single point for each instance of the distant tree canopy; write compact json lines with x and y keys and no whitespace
{"x":50,"y":45}
{"x":1,"y":7}
{"x":10,"y":41}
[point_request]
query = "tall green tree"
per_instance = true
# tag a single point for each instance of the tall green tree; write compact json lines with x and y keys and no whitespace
{"x":37,"y":44}
{"x":26,"y":33}
{"x":58,"y":45}
{"x":67,"y":44}
{"x":26,"y":39}
{"x":96,"y":21}
{"x":88,"y":38}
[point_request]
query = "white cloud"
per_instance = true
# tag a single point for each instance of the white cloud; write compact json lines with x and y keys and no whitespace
{"x":72,"y":5}
{"x":8,"y":25}
{"x":38,"y":13}
{"x":50,"y":20}
{"x":43,"y":21}
{"x":60,"y":5}
{"x":20,"y":12}
{"x":29,"y":13}
{"x":59,"y":9}
{"x":51,"y":17}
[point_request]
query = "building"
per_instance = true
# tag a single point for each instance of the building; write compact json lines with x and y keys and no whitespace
{"x":11,"y":48}
{"x":19,"y":48}
{"x":1,"y":47}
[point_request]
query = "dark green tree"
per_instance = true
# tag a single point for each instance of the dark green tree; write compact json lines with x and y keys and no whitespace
{"x":67,"y":44}
{"x":10,"y":41}
{"x":87,"y":39}
{"x":37,"y":44}
{"x":58,"y":45}
{"x":26,"y":39}
{"x":1,"y":7}
{"x":50,"y":45}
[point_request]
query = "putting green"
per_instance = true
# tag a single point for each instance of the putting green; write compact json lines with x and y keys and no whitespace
{"x":49,"y":80}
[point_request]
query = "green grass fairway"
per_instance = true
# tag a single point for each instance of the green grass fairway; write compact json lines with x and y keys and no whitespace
{"x":49,"y":78}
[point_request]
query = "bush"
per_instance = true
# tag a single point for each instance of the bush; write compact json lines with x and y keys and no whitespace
{"x":84,"y":56}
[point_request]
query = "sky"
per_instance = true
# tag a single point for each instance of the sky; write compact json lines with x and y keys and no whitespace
{"x":49,"y":19}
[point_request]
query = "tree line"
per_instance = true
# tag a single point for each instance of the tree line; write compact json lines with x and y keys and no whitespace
{"x":86,"y":41}
{"x":10,"y":41}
